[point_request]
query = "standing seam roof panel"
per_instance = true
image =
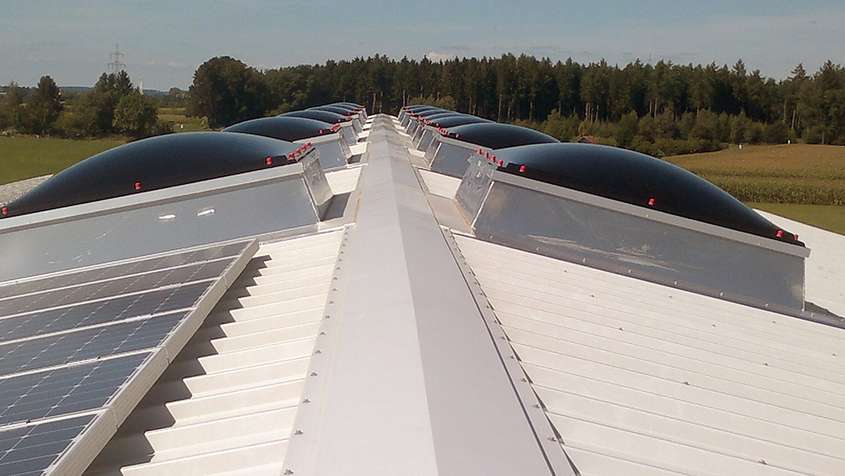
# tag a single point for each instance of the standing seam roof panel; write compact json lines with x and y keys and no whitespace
{"x":645,"y":379}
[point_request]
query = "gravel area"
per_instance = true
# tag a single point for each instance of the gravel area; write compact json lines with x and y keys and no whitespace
{"x":11,"y":191}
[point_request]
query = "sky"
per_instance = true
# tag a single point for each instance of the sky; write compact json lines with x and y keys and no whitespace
{"x":164,"y":41}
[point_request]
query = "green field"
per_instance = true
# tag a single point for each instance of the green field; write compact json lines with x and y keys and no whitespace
{"x":797,"y":173}
{"x":181,"y":122}
{"x":828,"y":217}
{"x":23,"y":157}
{"x":803,"y":182}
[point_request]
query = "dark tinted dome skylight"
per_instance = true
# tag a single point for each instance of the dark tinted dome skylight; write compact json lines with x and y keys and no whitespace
{"x":443,"y":114}
{"x":452,"y":121}
{"x":499,"y":136}
{"x":638,"y":179}
{"x":419,"y":107}
{"x":325,"y":116}
{"x":426,"y":109}
{"x":154,"y":163}
{"x":284,"y":128}
{"x":432,"y":112}
{"x":336,"y":109}
{"x":346,"y":106}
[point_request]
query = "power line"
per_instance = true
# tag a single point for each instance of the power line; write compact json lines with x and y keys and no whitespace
{"x":116,"y":64}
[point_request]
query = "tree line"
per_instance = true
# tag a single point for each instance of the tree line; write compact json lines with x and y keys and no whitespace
{"x":660,"y":108}
{"x":637,"y":104}
{"x":113,"y":106}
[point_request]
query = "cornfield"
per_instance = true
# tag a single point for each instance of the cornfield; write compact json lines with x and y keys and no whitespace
{"x":797,"y":173}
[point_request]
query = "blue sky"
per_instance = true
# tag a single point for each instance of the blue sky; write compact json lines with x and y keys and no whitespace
{"x":165,"y":41}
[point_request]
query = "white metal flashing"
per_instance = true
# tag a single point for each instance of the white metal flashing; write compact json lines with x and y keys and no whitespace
{"x":656,"y":215}
{"x":414,"y":382}
{"x":825,"y":268}
{"x":440,"y":184}
{"x":152,"y":197}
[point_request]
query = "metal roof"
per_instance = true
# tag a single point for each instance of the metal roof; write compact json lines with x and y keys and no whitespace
{"x":640,"y":378}
{"x":386,"y":339}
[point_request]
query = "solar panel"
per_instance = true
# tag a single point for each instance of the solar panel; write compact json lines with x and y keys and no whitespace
{"x":113,"y":287}
{"x":120,"y":270}
{"x":30,"y":450}
{"x":100,"y":312}
{"x":65,"y":390}
{"x":60,"y":349}
{"x":70,"y":343}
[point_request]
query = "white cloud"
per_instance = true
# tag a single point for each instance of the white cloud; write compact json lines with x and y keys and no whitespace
{"x":437,"y":56}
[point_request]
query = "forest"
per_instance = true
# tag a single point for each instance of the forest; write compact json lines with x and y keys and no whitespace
{"x":650,"y":107}
{"x":661,"y":109}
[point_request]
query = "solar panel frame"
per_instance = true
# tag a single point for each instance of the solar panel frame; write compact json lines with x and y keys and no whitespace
{"x":205,"y":270}
{"x":92,"y":343}
{"x":65,"y":390}
{"x":121,"y":269}
{"x":97,"y":349}
{"x":159,"y":301}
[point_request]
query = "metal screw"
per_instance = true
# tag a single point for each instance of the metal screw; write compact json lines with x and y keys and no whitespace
{"x":307,"y":400}
{"x":297,"y":432}
{"x":313,"y":374}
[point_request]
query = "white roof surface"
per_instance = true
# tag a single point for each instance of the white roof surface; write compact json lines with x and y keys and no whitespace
{"x":391,"y":342}
{"x":639,"y":378}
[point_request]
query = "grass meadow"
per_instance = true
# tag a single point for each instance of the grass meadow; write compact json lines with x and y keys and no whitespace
{"x":802,"y":182}
{"x":23,"y":157}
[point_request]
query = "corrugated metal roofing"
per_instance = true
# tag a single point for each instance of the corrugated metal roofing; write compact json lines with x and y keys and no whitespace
{"x":639,"y":378}
{"x":228,"y":402}
{"x":369,"y":348}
